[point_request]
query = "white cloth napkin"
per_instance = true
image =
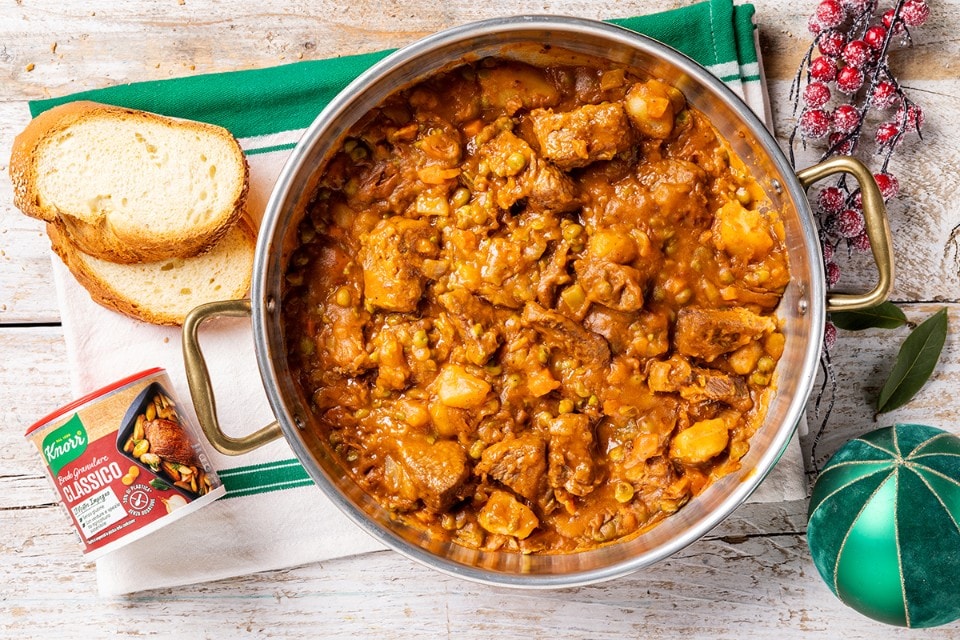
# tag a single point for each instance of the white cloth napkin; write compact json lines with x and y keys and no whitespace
{"x":294,"y":523}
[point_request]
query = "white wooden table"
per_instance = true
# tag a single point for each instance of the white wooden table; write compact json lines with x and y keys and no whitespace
{"x":751,"y":577}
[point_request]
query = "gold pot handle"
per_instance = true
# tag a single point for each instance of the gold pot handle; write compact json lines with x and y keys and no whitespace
{"x":198,"y":379}
{"x":875,"y":218}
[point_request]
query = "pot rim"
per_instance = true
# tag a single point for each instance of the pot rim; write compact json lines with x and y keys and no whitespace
{"x":266,"y":308}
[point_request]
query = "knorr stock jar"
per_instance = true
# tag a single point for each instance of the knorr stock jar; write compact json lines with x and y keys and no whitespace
{"x":125,"y":461}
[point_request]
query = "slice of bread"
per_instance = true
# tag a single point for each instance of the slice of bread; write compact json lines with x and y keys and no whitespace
{"x":163,"y":292}
{"x":129,"y":186}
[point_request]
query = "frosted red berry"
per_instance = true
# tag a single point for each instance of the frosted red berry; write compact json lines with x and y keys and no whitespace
{"x":850,"y":223}
{"x":911,"y":117}
{"x":829,"y":334}
{"x":816,"y":94}
{"x":891,"y":21}
{"x":831,"y":43}
{"x":861,"y":243}
{"x":914,"y":12}
{"x":829,"y":14}
{"x":887,"y":133}
{"x":888,"y":184}
{"x":857,"y":53}
{"x":833,"y":273}
{"x":823,"y":69}
{"x":830,"y":200}
{"x":846,"y":118}
{"x":883,"y":94}
{"x":848,"y":84}
{"x":841,"y":143}
{"x":849,"y":79}
{"x":875,"y":36}
{"x":814,"y":124}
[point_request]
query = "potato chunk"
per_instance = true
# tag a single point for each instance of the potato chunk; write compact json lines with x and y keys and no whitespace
{"x":510,"y":88}
{"x":700,"y":442}
{"x":457,"y":387}
{"x":742,"y":233}
{"x":507,"y":516}
{"x":652,"y":106}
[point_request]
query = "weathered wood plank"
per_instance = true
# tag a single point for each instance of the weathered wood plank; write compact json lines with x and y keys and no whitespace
{"x":26,"y":285}
{"x":759,"y":587}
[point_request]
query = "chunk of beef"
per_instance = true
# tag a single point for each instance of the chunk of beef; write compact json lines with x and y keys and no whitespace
{"x":587,"y":354}
{"x":518,"y":463}
{"x":547,"y":188}
{"x":698,"y":384}
{"x":613,"y":325}
{"x":668,"y":375}
{"x":392,"y":368}
{"x":716,"y":386}
{"x":583,"y":135}
{"x":506,"y":274}
{"x":518,"y":173}
{"x":709,"y":333}
{"x":679,"y":189}
{"x":392,"y":257}
{"x":437,"y":470}
{"x":572,"y":466}
{"x":467,"y":312}
{"x":553,"y":274}
{"x":395,"y":353}
{"x":336,"y":391}
{"x":613,"y":285}
{"x":339,"y":337}
{"x":561,"y":332}
{"x":340,"y":343}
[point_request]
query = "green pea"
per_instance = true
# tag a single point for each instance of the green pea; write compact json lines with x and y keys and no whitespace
{"x":343,"y":297}
{"x":516,"y":161}
{"x":460,"y":197}
{"x":572,"y":231}
{"x":623,"y":492}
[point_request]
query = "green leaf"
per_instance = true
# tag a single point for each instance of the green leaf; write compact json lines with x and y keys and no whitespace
{"x":917,"y":358}
{"x":159,"y":484}
{"x":883,"y":316}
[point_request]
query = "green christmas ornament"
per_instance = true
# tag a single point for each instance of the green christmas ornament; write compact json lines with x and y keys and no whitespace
{"x":884,"y":525}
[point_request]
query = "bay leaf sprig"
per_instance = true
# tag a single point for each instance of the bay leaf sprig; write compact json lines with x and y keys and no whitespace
{"x":883,"y":316}
{"x":915,"y":362}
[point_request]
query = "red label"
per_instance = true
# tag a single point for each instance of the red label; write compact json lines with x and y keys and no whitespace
{"x":108,"y":496}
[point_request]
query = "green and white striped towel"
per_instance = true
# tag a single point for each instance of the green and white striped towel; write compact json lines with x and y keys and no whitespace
{"x":272,"y":516}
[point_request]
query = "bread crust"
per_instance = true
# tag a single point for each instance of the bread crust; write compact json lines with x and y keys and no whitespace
{"x":104,"y":294}
{"x":99,"y":239}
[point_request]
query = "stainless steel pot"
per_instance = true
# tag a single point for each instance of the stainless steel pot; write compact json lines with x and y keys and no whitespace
{"x":802,"y":309}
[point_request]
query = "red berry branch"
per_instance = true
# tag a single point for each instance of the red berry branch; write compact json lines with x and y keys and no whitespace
{"x":843,"y":86}
{"x":850,"y":103}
